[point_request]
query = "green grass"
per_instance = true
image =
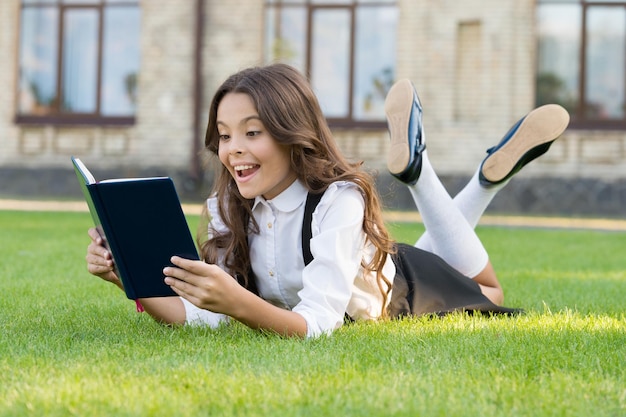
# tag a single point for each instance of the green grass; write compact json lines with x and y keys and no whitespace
{"x":73,"y":345}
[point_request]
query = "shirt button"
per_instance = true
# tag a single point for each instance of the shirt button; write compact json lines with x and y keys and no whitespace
{"x":271,"y":273}
{"x":269,"y":225}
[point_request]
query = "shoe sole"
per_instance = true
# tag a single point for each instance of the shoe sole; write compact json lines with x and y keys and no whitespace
{"x":541,"y":126}
{"x":398,"y":107}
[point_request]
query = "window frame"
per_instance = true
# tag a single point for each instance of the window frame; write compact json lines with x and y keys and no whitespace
{"x":310,"y":6}
{"x":579,"y":119}
{"x":58,"y":116}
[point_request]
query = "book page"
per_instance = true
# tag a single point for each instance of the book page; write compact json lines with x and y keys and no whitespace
{"x":130,"y":179}
{"x":84,"y":171}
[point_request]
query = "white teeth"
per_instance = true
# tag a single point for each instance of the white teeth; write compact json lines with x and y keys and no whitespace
{"x":242,"y":167}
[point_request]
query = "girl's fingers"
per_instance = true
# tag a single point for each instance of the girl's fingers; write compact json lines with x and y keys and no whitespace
{"x":98,"y":269}
{"x":98,"y":250}
{"x":94,"y":235}
{"x":93,"y":259}
{"x":193,"y":269}
{"x":178,"y":284}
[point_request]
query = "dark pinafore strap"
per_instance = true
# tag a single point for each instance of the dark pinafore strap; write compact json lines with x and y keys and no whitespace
{"x":312,"y":200}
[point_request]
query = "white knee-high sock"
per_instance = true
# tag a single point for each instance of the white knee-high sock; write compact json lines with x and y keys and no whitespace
{"x":472,"y":201}
{"x":448,"y":235}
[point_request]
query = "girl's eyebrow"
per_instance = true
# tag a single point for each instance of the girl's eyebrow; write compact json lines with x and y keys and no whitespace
{"x":243,"y":121}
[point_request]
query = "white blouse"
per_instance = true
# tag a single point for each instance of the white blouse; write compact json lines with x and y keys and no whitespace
{"x":334,"y":283}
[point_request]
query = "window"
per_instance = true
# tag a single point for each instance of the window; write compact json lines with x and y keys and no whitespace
{"x":581,"y":60}
{"x":346,"y":47}
{"x":79,"y":61}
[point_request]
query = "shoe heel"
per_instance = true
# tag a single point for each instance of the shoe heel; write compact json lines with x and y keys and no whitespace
{"x":398,"y":106}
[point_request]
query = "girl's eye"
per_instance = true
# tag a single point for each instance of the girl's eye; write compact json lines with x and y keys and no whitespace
{"x":223,"y":137}
{"x":253,"y":133}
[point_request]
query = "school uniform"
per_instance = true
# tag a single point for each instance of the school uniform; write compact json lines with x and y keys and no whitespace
{"x":333,"y":284}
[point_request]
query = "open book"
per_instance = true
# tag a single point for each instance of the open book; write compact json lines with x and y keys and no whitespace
{"x":143,"y":226}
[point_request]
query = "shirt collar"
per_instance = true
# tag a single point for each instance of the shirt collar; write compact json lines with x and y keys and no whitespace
{"x":289,"y":200}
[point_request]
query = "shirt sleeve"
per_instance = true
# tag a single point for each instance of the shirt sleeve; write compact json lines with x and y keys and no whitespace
{"x":336,"y":246}
{"x":195,"y":315}
{"x":199,"y":317}
{"x":216,"y":225}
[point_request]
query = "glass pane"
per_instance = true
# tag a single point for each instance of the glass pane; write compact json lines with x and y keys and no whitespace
{"x":277,"y":2}
{"x":285,"y":36}
{"x":604,"y":78}
{"x":38,"y":60}
{"x":39,"y":1}
{"x":375,"y":60}
{"x":120,"y":61}
{"x":558,"y":71}
{"x":330,"y":55}
{"x":271,"y":35}
{"x":325,"y":2}
{"x":80,"y":60}
{"x":80,"y":1}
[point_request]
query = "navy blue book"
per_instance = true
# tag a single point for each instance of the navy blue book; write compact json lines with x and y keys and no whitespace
{"x":143,"y":226}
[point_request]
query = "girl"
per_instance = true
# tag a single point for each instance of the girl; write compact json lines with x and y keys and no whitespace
{"x":296,"y":241}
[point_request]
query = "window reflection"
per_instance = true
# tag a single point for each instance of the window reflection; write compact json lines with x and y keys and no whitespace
{"x":286,"y":36}
{"x":375,"y":59}
{"x":604,"y":88}
{"x":330,"y":66}
{"x":559,"y":51}
{"x":38,"y":51}
{"x":80,"y":60}
{"x":120,"y":61}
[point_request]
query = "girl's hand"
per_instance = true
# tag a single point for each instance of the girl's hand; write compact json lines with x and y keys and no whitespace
{"x":100,"y":263}
{"x":211,"y":288}
{"x":99,"y":259}
{"x":205,"y":285}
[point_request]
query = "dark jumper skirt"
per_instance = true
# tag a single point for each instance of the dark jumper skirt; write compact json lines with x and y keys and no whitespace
{"x":424,"y":283}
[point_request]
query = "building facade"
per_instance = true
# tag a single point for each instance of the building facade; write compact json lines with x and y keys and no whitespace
{"x":126,"y":84}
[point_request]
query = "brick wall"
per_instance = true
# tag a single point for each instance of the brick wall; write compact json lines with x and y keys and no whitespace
{"x":9,"y":16}
{"x":163,"y":131}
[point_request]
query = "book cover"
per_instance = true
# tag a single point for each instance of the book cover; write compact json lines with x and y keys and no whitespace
{"x":143,"y":225}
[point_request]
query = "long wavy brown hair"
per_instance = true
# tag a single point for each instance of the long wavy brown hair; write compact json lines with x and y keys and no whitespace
{"x":290,"y":112}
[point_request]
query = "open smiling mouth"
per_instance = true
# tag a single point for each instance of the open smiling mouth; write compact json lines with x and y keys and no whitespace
{"x":244,"y":171}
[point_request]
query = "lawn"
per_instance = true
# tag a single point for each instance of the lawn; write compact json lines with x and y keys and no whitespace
{"x":71,"y":344}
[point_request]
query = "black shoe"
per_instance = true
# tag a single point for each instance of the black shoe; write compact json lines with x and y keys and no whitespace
{"x":404,"y":118}
{"x":528,"y":139}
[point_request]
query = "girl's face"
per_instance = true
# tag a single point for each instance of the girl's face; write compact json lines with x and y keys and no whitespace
{"x":259,"y":164}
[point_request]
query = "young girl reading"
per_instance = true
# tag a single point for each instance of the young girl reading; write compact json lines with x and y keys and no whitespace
{"x":296,"y":242}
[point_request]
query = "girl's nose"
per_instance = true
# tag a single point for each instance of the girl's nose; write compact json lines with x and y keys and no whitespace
{"x":237,"y":145}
